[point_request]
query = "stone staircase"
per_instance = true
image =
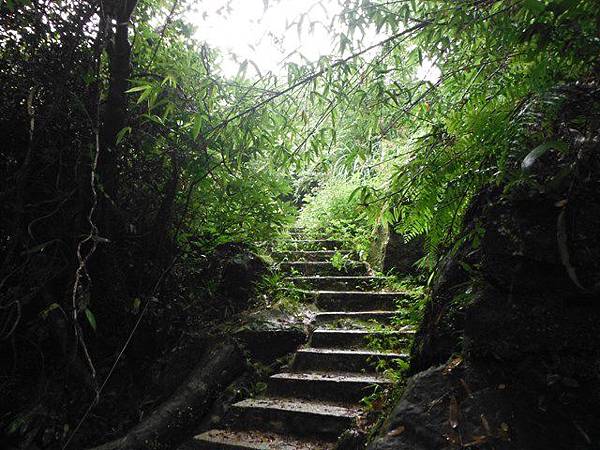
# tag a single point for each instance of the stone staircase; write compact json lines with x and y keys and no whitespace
{"x":318,"y":398}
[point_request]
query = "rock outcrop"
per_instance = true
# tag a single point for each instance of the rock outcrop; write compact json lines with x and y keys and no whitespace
{"x":393,"y":252}
{"x":508,"y":353}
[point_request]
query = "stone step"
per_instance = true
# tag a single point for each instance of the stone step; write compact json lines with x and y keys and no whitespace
{"x":355,"y":300}
{"x":310,"y":255}
{"x":332,"y":338}
{"x":252,"y":439}
{"x":327,"y":386}
{"x":312,"y":244}
{"x":354,"y":318}
{"x":323,"y":359}
{"x":339,"y":282}
{"x":324,"y":268}
{"x":297,"y":417}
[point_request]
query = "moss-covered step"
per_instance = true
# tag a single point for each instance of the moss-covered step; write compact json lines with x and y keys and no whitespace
{"x":252,"y":440}
{"x":310,"y":255}
{"x":311,"y":244}
{"x":357,"y":338}
{"x":324,"y":268}
{"x":294,"y":416}
{"x":338,"y":282}
{"x":343,"y":387}
{"x":309,"y":359}
{"x":355,"y":300}
{"x":360,"y":319}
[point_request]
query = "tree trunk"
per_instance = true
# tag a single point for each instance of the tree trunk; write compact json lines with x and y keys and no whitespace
{"x":115,"y":113}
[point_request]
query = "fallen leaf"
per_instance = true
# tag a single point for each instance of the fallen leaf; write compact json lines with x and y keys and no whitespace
{"x":453,"y":364}
{"x":486,"y":424}
{"x":583,"y":433}
{"x":453,"y":419}
{"x":502,"y":386}
{"x":397,"y":431}
{"x":477,"y":440}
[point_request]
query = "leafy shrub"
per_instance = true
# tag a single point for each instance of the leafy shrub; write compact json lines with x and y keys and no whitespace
{"x":333,"y":211}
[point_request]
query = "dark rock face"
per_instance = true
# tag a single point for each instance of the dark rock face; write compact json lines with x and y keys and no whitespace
{"x":267,"y":345}
{"x":439,"y":334}
{"x":391,"y":251}
{"x":449,"y":407}
{"x":270,"y":334}
{"x":236,"y":269}
{"x":401,"y":254}
{"x":499,"y":405}
{"x":519,"y":300}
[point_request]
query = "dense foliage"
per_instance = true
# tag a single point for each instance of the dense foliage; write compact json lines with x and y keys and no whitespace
{"x":127,"y":155}
{"x":432,"y":144}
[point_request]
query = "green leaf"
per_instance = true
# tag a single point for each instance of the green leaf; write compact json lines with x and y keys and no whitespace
{"x":144,"y":95}
{"x":535,"y":6}
{"x":138,"y":89}
{"x":534,"y":154}
{"x":90,"y":318}
{"x":197,"y":124}
{"x":136,"y":305}
{"x":121,"y":134}
{"x":44,"y":313}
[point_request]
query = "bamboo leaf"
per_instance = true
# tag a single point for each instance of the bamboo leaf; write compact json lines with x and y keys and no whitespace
{"x":90,"y":318}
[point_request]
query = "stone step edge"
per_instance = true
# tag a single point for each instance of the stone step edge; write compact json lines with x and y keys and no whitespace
{"x":359,"y":352}
{"x":302,"y":406}
{"x":351,"y":263}
{"x":355,"y":293}
{"x":355,"y":314}
{"x":386,"y":332}
{"x":336,"y":277}
{"x":336,"y":377}
{"x":320,"y":252}
{"x":249,"y":439}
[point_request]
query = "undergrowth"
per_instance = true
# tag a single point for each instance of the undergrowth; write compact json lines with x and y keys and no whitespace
{"x":385,"y":339}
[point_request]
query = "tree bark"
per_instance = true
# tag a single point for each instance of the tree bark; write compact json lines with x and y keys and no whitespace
{"x":162,"y":221}
{"x":108,"y":279}
{"x":115,"y":111}
{"x":170,"y":424}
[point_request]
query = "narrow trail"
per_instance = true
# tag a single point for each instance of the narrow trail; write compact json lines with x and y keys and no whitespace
{"x":318,"y":398}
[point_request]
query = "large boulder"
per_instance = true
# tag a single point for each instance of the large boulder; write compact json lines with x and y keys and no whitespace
{"x":518,"y":300}
{"x":271,"y":333}
{"x":440,"y":332}
{"x":450,"y":407}
{"x":235,"y":269}
{"x":393,"y":252}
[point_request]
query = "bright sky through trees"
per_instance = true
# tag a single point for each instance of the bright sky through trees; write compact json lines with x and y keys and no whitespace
{"x":248,"y":31}
{"x":271,"y":37}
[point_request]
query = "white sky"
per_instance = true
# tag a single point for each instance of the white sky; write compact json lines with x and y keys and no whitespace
{"x":249,"y":32}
